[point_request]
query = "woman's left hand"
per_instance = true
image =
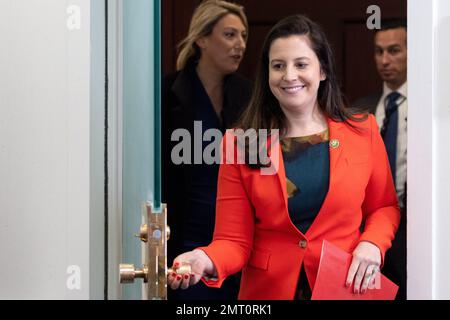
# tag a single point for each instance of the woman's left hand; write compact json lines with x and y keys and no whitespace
{"x":364,"y":267}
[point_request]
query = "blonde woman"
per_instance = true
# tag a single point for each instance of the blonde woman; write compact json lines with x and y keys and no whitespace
{"x":207,"y":89}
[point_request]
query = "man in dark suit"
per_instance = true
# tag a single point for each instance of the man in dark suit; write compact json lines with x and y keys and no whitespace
{"x":390,"y":106}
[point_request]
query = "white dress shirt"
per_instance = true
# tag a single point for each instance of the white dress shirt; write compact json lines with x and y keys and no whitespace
{"x":402,"y":133}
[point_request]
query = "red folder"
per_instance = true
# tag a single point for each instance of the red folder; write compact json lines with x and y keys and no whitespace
{"x":332,"y":274}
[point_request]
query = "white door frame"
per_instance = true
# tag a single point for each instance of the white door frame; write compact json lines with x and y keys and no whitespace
{"x":428,"y":152}
{"x":115,"y":103}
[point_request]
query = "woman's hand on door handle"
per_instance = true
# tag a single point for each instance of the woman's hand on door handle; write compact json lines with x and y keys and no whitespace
{"x":188,"y":268}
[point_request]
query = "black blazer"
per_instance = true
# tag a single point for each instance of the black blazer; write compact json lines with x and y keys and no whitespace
{"x":178,"y":112}
{"x":368,"y":103}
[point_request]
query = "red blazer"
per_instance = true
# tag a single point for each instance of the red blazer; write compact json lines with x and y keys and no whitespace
{"x":254,"y":232}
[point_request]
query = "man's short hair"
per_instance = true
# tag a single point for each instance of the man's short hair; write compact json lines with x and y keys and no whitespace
{"x":392,"y":23}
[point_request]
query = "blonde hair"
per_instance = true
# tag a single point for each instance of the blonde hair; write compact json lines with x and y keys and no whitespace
{"x":205,"y":17}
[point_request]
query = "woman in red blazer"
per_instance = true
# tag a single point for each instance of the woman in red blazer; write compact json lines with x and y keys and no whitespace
{"x":260,"y":228}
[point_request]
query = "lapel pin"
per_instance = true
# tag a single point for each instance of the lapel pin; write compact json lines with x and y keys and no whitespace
{"x":334,"y":143}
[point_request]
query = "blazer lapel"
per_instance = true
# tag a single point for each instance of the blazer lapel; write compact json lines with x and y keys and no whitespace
{"x":336,"y":147}
{"x":281,"y":173}
{"x":183,"y":111}
{"x":276,"y":157}
{"x":183,"y":91}
{"x":337,"y":144}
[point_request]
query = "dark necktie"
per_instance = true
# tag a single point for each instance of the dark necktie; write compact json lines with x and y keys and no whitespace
{"x":390,"y":128}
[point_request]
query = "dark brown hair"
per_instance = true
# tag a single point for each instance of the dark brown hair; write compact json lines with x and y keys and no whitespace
{"x":264,"y":111}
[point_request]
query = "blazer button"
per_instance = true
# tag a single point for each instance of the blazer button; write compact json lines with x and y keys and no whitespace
{"x":303,"y":244}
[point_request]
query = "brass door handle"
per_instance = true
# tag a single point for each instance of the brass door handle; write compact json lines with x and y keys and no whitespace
{"x":128,"y":273}
{"x":154,"y":234}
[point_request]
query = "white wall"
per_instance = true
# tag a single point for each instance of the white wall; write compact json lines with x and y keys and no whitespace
{"x":441,"y":118}
{"x":428,"y":149}
{"x":47,"y":112}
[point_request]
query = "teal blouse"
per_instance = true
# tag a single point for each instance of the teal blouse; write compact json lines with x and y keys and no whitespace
{"x":306,"y":162}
